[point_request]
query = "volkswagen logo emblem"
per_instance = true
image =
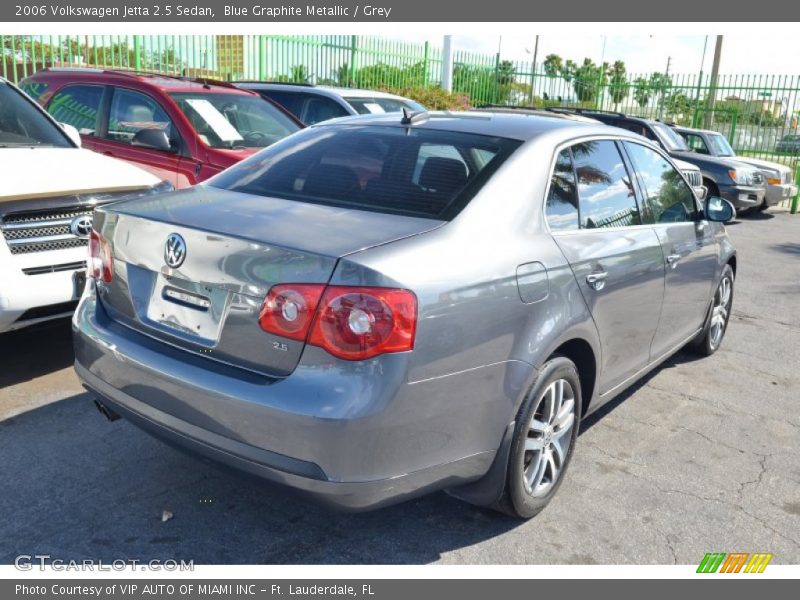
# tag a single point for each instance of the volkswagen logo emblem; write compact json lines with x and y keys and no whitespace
{"x":81,"y":226}
{"x":174,"y":250}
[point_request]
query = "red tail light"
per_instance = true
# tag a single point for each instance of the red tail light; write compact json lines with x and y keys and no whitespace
{"x":353,"y":323}
{"x":100,"y":265}
{"x":356,"y":323}
{"x":289,"y":309}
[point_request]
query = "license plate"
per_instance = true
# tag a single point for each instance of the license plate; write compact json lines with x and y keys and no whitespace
{"x":79,"y":282}
{"x":187,"y":308}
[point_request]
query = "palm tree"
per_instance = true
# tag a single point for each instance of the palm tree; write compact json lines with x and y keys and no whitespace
{"x":553,"y":65}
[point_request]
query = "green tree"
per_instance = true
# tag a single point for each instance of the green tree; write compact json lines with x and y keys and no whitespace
{"x":587,"y":80}
{"x":553,"y":65}
{"x":618,"y":84}
{"x":641,"y":91}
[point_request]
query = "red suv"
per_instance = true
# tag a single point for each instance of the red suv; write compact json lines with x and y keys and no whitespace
{"x":182,"y":130}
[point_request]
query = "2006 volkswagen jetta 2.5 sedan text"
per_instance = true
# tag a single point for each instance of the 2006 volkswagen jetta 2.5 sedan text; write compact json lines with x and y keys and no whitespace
{"x":382,"y":306}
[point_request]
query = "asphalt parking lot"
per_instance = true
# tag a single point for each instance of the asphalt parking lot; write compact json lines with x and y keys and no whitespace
{"x":704,"y":455}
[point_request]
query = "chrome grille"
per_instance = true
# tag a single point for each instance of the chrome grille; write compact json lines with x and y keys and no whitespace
{"x":695,"y":178}
{"x":41,"y":231}
{"x":74,"y":266}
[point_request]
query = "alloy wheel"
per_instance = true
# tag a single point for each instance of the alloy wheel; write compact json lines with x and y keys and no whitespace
{"x":549,"y":438}
{"x":720,"y":312}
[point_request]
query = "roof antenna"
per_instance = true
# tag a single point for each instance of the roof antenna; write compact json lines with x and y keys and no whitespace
{"x":411,"y":117}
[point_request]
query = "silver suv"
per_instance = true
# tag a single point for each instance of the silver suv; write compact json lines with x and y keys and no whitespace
{"x":380,"y":307}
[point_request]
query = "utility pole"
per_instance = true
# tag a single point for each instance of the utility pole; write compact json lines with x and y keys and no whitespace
{"x":712,"y":92}
{"x":447,"y":64}
{"x":533,"y":68}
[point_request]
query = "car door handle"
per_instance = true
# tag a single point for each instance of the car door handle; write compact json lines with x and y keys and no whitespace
{"x":672,"y":260}
{"x":597,"y":281}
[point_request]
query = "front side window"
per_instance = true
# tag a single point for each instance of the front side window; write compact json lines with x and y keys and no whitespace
{"x":669,"y":198}
{"x":420,"y":172}
{"x":131,"y":112}
{"x":562,"y":197}
{"x":77,"y":105}
{"x":720,"y":145}
{"x":234,"y":120}
{"x":23,"y":124}
{"x":605,"y":189}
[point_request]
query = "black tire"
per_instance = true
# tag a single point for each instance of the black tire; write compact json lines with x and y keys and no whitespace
{"x":707,"y":342}
{"x":763,"y":206}
{"x":519,"y":499}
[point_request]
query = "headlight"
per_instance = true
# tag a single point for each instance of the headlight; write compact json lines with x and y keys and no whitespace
{"x":741,"y":177}
{"x":774,"y":180}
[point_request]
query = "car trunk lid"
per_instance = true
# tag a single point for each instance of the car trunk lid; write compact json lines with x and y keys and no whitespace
{"x":236,"y":247}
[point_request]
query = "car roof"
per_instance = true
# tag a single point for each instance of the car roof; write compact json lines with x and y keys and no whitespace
{"x":167,"y":83}
{"x":696,"y":130}
{"x":520,"y":126}
{"x":323,"y":90}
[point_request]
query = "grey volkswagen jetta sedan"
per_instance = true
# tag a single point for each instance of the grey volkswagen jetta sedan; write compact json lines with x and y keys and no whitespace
{"x":379,"y":307}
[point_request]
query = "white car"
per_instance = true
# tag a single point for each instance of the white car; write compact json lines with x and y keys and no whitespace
{"x":48,"y":192}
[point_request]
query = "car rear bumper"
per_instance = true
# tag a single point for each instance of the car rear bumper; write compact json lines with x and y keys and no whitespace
{"x":339,"y":437}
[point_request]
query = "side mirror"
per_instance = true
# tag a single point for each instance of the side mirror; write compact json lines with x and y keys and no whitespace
{"x":152,"y":138}
{"x":72,"y":133}
{"x":719,"y":209}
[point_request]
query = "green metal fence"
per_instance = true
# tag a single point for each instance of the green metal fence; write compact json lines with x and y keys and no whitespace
{"x":755,"y":112}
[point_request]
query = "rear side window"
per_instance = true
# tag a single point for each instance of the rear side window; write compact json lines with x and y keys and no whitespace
{"x":605,"y":189}
{"x":695,"y":142}
{"x":34,"y":89}
{"x":319,"y":108}
{"x":288,"y":100}
{"x":420,"y":172}
{"x":562,"y":197}
{"x":77,"y":105}
{"x":669,"y":199}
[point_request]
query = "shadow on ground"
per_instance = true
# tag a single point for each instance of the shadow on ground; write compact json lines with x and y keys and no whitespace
{"x":109,"y":484}
{"x":35,"y":351}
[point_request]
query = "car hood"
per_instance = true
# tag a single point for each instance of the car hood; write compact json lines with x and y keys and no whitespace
{"x":44,"y":172}
{"x":705,"y":159}
{"x":685,"y":166}
{"x":764,"y":164}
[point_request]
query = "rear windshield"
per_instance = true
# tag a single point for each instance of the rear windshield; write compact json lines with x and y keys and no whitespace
{"x":366,"y":106}
{"x":419,"y":172}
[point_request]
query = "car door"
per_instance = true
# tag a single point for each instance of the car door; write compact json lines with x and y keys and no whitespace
{"x":689,"y":247}
{"x":130,"y":111}
{"x":595,"y":218}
